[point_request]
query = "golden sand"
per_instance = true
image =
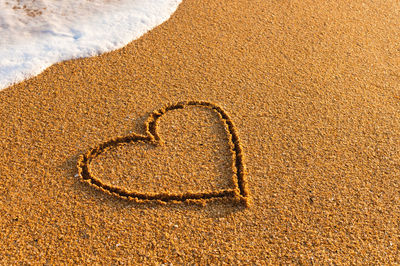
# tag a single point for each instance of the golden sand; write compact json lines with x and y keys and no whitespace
{"x":313,"y":90}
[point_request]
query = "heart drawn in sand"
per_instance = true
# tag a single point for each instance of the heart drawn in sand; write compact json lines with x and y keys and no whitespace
{"x":152,"y":137}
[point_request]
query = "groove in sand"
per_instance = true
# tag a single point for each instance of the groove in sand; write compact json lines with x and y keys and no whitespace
{"x":239,"y":193}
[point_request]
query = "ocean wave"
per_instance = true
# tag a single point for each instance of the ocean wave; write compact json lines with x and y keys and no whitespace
{"x":38,"y":33}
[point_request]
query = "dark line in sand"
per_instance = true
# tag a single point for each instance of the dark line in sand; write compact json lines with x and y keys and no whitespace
{"x":240,"y":192}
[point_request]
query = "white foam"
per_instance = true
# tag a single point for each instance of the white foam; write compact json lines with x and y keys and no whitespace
{"x":35,"y":34}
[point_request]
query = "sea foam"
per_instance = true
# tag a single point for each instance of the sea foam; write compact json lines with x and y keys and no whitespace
{"x":34,"y":34}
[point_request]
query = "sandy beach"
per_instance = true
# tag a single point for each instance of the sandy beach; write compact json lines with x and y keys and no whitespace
{"x":313,"y":89}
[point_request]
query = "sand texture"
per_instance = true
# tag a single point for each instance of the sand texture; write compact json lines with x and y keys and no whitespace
{"x":313,"y":90}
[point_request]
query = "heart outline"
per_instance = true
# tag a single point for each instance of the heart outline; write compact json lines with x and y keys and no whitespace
{"x":239,"y":192}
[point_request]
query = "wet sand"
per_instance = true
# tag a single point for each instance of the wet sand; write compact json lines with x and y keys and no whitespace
{"x":313,"y":89}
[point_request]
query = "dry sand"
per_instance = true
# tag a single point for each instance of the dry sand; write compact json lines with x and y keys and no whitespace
{"x":313,"y":88}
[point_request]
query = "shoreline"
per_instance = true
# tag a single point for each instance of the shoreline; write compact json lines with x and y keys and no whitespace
{"x":312,"y":91}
